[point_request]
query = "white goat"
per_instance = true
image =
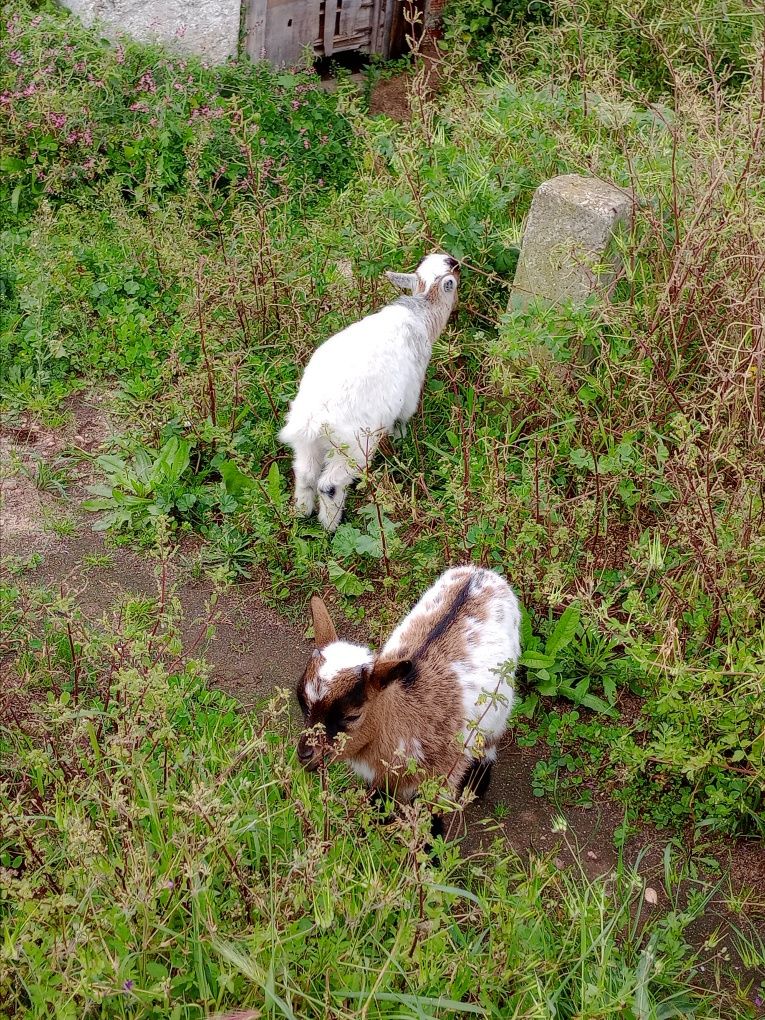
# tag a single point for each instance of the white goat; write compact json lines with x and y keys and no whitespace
{"x":363,"y":383}
{"x":439,"y":693}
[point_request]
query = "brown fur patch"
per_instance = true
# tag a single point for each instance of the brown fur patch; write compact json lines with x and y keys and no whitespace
{"x":323,"y":628}
{"x":420,"y":715}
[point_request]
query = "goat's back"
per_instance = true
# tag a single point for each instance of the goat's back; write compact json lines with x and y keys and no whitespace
{"x":465,"y":630}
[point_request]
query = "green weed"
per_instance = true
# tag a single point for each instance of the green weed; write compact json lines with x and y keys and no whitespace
{"x":162,"y":855}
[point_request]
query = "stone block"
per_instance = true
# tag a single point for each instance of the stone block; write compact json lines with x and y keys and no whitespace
{"x":570,"y":224}
{"x":206,"y":28}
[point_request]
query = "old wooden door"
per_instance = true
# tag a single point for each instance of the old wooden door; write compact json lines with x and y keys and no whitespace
{"x":279,"y":30}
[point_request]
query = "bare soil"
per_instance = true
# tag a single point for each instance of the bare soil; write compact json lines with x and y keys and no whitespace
{"x":253,"y":652}
{"x":391,"y":95}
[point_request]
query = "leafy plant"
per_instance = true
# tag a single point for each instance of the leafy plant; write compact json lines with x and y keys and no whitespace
{"x":544,"y":665}
{"x":142,"y":486}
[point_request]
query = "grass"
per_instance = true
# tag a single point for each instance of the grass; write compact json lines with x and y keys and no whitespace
{"x":163,"y":855}
{"x":186,"y":236}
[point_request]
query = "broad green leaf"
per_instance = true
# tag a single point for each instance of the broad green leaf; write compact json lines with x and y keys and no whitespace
{"x":236,"y":481}
{"x":10,"y":164}
{"x":536,"y":660}
{"x":346,"y":582}
{"x":564,"y":632}
{"x":274,"y":482}
{"x":172,"y":461}
{"x":591,"y":701}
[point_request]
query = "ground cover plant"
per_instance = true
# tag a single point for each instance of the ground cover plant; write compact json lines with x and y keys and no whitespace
{"x":162,"y":855}
{"x":183,"y":237}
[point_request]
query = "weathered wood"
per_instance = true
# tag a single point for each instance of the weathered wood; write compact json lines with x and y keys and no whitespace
{"x":279,"y":30}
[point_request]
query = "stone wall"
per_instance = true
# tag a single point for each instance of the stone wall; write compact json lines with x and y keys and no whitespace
{"x":207,"y":28}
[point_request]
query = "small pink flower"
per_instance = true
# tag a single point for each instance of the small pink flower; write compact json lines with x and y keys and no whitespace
{"x":79,"y":66}
{"x":36,"y":21}
{"x":29,"y":90}
{"x":320,"y":182}
{"x":119,"y":54}
{"x":57,"y":120}
{"x":139,"y":108}
{"x":306,"y":144}
{"x":5,"y":99}
{"x":296,"y":104}
{"x":146,"y":83}
{"x":16,"y":58}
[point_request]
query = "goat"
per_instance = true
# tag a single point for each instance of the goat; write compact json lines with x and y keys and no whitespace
{"x":439,"y":693}
{"x":363,"y":383}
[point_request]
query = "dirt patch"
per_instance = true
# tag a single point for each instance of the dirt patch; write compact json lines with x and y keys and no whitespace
{"x":35,"y":460}
{"x":392,"y":95}
{"x":21,"y":508}
{"x":251,"y":651}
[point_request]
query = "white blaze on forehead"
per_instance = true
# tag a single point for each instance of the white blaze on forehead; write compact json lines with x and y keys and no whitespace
{"x":336,"y":657}
{"x":434,"y":266}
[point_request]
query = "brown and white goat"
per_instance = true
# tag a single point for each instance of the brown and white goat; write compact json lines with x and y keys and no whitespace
{"x":439,"y":693}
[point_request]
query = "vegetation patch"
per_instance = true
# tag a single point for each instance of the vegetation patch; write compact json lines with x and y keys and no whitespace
{"x":163,"y":855}
{"x":186,"y":236}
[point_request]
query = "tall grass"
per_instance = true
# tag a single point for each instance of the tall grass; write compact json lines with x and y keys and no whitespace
{"x":162,"y":856}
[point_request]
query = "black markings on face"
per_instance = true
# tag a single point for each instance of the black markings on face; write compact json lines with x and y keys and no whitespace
{"x":338,"y":714}
{"x":302,"y":702}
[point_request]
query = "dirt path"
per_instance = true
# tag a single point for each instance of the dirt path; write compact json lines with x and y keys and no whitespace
{"x":253,"y":651}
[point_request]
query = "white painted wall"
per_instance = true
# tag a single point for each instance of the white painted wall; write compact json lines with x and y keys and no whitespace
{"x":208,"y":28}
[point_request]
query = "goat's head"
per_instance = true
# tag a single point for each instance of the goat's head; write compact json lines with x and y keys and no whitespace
{"x":338,"y":690}
{"x":437,"y":277}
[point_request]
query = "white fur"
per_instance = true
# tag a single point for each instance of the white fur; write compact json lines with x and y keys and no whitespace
{"x":487,"y":696}
{"x":361,"y":384}
{"x":362,"y":769}
{"x":337,"y":656}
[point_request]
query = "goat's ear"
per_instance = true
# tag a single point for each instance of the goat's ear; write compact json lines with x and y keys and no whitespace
{"x":324,"y":632}
{"x":404,"y":281}
{"x":385,"y":673}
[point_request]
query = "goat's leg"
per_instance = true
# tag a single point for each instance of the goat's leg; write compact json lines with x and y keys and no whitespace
{"x":402,"y":419}
{"x":478,"y":776}
{"x":307,"y":465}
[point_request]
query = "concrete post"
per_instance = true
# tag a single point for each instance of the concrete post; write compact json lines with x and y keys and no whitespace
{"x":570,"y":224}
